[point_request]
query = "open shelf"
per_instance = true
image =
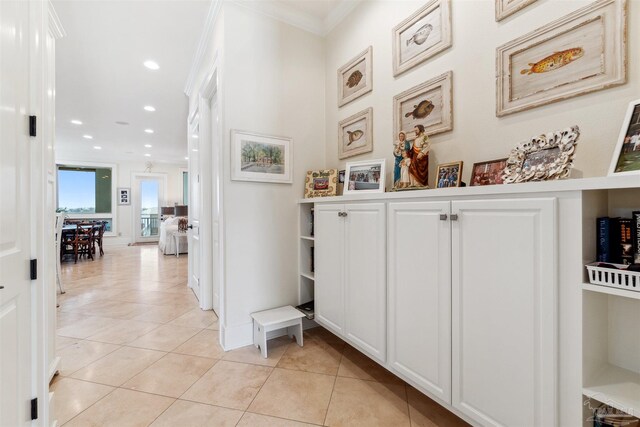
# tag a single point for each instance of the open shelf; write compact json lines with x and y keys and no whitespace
{"x":617,"y":387}
{"x":611,"y":291}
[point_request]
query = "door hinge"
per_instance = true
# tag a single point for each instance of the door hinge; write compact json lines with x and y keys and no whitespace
{"x":33,"y":266}
{"x":33,"y":125}
{"x":34,"y":409}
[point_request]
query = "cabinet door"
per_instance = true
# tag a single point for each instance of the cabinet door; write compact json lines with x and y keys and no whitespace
{"x":504,"y":311}
{"x":365,"y":278}
{"x":419,"y":254}
{"x":329,"y":271}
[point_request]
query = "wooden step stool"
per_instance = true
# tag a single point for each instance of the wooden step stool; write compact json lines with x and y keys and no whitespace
{"x":277,"y":318}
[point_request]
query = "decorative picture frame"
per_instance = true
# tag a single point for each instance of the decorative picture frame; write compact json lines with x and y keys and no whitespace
{"x":449,"y":175}
{"x":261,"y":158}
{"x":566,"y":58}
{"x":366,"y":176}
{"x":626,"y":157}
{"x":422,"y":35}
{"x":322,"y":183}
{"x":543,"y":158}
{"x":124,"y":196}
{"x":506,"y":8}
{"x":429,"y":104}
{"x":355,"y":134}
{"x":488,"y":173}
{"x":355,"y":78}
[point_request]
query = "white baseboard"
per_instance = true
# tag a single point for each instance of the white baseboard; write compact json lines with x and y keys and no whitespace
{"x":53,"y":368}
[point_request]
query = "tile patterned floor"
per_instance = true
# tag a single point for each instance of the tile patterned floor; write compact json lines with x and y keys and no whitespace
{"x":137,"y":351}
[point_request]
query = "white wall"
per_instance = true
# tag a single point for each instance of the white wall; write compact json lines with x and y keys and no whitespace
{"x":274,"y":84}
{"x":478,"y":134}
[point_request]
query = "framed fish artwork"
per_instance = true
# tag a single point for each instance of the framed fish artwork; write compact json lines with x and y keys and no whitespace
{"x":422,"y":35}
{"x":579,"y":53}
{"x":428,"y":104}
{"x":506,"y":8}
{"x":355,"y":78}
{"x":355,"y":134}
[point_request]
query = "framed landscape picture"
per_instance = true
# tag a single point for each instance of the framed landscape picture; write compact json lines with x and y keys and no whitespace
{"x":262,"y":158}
{"x":488,"y":173}
{"x":428,"y":104}
{"x":365,"y":177}
{"x":579,"y":53}
{"x":355,"y":134}
{"x":322,"y":183}
{"x":422,"y":35}
{"x":356,"y":77}
{"x":506,"y":8}
{"x":626,"y":157}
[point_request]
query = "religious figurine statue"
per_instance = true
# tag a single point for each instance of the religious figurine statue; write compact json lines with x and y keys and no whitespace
{"x":419,"y":169}
{"x":411,"y":167}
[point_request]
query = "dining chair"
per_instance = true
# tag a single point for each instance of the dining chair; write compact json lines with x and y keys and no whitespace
{"x":82,"y":242}
{"x":60,"y":217}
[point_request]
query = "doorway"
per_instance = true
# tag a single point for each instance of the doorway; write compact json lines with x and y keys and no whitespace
{"x":149,"y":194}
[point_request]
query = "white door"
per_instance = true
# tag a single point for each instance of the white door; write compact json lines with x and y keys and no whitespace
{"x":504,"y":311}
{"x":149,"y":197}
{"x":419,"y":331}
{"x":194,"y":207}
{"x":218,"y":272}
{"x":366,"y":278}
{"x":15,"y":218}
{"x":329,"y":270}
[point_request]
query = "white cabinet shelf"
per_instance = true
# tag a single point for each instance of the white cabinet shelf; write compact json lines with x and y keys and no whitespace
{"x":616,"y":387}
{"x":309,"y":276}
{"x":611,"y":291}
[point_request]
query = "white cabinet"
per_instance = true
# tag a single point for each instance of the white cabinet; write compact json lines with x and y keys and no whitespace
{"x":504,"y":311}
{"x":419,"y":262}
{"x":350,"y":277}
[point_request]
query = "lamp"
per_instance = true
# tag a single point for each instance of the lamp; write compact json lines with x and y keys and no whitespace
{"x":181,"y":210}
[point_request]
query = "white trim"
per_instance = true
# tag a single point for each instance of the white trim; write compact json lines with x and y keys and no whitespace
{"x":233,"y":337}
{"x":55,"y":26}
{"x":338,"y":14}
{"x":214,"y":10}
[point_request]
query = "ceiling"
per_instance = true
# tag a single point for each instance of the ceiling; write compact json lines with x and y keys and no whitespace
{"x":101,"y":79}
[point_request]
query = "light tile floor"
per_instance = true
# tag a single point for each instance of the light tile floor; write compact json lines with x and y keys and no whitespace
{"x":136,"y":351}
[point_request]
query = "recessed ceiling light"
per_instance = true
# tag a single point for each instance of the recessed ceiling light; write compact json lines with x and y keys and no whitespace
{"x":186,"y":158}
{"x":147,"y":145}
{"x":147,"y":155}
{"x":87,"y":136}
{"x":76,"y":122}
{"x":149,"y":108}
{"x":194,"y":136}
{"x":148,"y":130}
{"x":97,"y":147}
{"x":152,"y":65}
{"x":122,"y":123}
{"x":195,"y":150}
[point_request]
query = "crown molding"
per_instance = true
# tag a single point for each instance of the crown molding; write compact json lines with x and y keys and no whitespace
{"x":339,"y":13}
{"x":214,"y":10}
{"x":55,"y":26}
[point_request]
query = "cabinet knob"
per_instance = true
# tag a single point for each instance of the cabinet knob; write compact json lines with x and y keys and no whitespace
{"x":342,"y":214}
{"x":454,"y":217}
{"x":443,"y":217}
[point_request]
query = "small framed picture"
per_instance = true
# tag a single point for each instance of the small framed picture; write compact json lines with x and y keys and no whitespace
{"x":366,"y":176}
{"x":488,"y":173}
{"x":261,"y":158}
{"x":355,"y":134}
{"x":449,"y":175}
{"x":355,"y":78}
{"x":626,"y":157}
{"x":124,"y":196}
{"x":322,"y":183}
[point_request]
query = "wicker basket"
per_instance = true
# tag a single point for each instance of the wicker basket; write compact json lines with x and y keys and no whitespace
{"x":619,"y":279}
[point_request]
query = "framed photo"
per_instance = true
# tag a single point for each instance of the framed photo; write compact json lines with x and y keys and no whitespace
{"x":542,"y":158}
{"x":449,"y":175}
{"x":626,"y":157}
{"x":568,"y":57}
{"x":261,"y":158}
{"x":323,"y":183}
{"x":506,"y":8}
{"x":488,"y":173}
{"x":356,"y":77}
{"x":428,"y":104}
{"x":422,"y":35}
{"x":355,"y":134}
{"x":365,"y":177}
{"x":124,"y":196}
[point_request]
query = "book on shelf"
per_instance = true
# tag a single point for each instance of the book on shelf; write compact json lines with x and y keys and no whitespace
{"x":625,"y":248}
{"x":603,"y":247}
{"x":635,"y":217}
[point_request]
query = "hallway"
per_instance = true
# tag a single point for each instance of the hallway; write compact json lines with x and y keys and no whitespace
{"x":136,"y":350}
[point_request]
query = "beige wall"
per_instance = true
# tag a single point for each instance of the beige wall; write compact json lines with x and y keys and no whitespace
{"x":478,"y":134}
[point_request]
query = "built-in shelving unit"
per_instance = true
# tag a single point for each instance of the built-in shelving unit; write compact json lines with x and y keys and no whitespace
{"x":610,"y":318}
{"x":306,"y":279}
